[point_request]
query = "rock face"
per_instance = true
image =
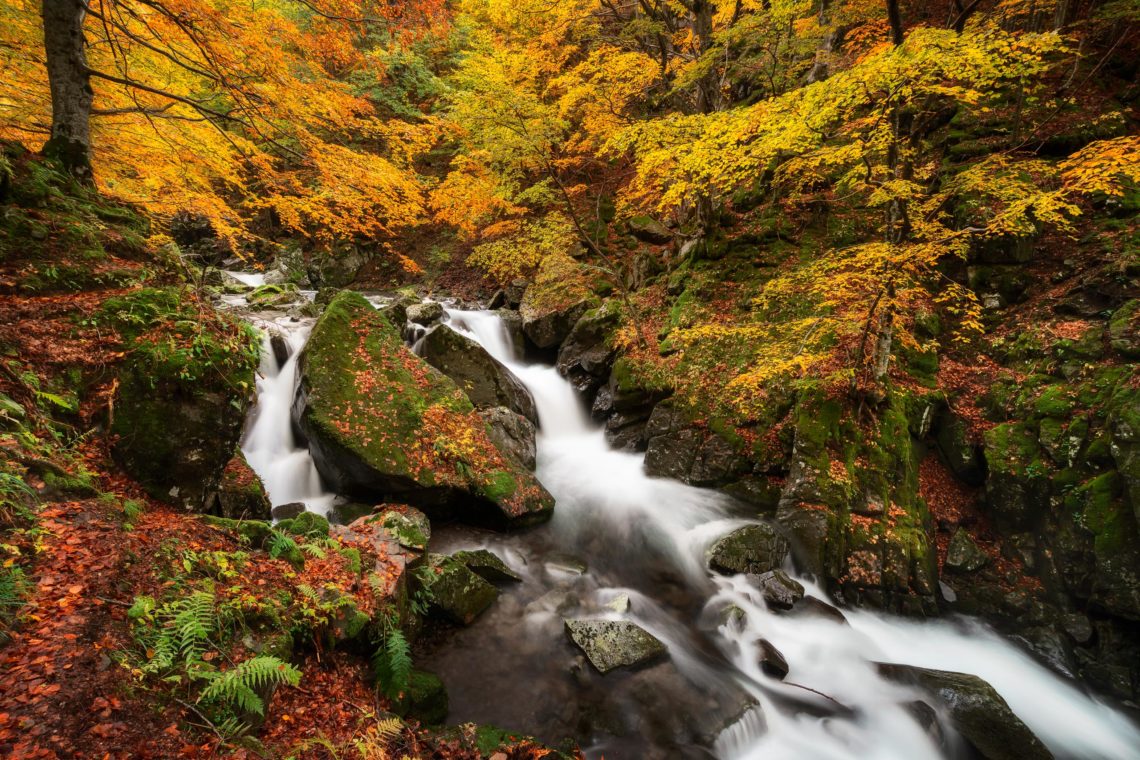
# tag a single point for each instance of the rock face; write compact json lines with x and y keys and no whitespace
{"x":963,"y":555}
{"x":456,"y":592}
{"x":241,"y":494}
{"x":977,"y":712}
{"x":752,"y":549}
{"x":587,"y":356}
{"x":485,"y":381}
{"x":382,"y":425}
{"x":679,"y":450}
{"x":554,"y":302}
{"x":513,"y":434}
{"x":612,"y":644}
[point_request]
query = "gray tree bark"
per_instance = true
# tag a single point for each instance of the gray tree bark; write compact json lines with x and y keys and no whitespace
{"x":70,"y":83}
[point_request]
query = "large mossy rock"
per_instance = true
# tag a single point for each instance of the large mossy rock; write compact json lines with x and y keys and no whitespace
{"x":486,"y":382}
{"x":383,"y":425}
{"x":184,"y":386}
{"x":611,"y":644}
{"x":976,"y":711}
{"x":513,"y":434}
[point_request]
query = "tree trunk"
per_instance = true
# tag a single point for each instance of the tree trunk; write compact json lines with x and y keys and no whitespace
{"x":70,"y":83}
{"x":894,"y":15}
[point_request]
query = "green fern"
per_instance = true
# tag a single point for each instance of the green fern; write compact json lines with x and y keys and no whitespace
{"x":313,"y":550}
{"x":280,"y":544}
{"x":392,"y":663}
{"x":237,"y":689}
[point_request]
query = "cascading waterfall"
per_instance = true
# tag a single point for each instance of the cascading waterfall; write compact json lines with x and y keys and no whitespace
{"x":599,"y":490}
{"x":644,"y":540}
{"x":270,"y":446}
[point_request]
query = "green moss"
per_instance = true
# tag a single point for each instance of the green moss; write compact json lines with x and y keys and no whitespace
{"x":306,"y":524}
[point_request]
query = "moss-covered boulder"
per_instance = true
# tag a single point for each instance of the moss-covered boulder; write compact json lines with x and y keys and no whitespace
{"x":486,"y":565}
{"x":587,"y":355}
{"x":486,"y":382}
{"x":456,"y":593}
{"x":241,"y":495}
{"x":1124,"y":330}
{"x":183,"y":389}
{"x":383,"y":425}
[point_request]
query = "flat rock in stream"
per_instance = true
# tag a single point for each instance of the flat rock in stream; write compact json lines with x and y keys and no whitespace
{"x":610,"y":644}
{"x":976,"y":711}
{"x":486,"y":565}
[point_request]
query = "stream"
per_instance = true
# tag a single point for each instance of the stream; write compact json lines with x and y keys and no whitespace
{"x":623,"y":545}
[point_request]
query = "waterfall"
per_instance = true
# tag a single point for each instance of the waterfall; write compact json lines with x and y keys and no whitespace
{"x":632,"y":530}
{"x":600,"y":490}
{"x":270,"y":447}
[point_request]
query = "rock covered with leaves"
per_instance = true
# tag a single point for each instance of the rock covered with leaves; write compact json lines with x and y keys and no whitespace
{"x":381,"y":423}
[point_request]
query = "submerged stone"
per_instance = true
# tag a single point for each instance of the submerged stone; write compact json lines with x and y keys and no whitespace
{"x":610,"y":644}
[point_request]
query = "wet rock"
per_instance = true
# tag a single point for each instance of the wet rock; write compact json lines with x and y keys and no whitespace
{"x":612,"y":644}
{"x":486,"y":565}
{"x":619,"y":603}
{"x":587,"y":355}
{"x":649,"y":230}
{"x":240,"y":495}
{"x":752,"y":549}
{"x":976,"y":711}
{"x":288,"y":511}
{"x":280,"y":347}
{"x":772,"y":662}
{"x":336,"y":267}
{"x":779,"y":590}
{"x":678,"y":450}
{"x":554,"y":602}
{"x":1078,"y":627}
{"x":396,"y":310}
{"x":963,"y":555}
{"x":512,"y":433}
{"x":512,"y":324}
{"x":625,"y":431}
{"x":810,"y":606}
{"x":485,"y":381}
{"x":1050,"y":648}
{"x":547,"y":327}
{"x":566,"y":563}
{"x":455,"y":592}
{"x":395,"y":437}
{"x":426,"y":313}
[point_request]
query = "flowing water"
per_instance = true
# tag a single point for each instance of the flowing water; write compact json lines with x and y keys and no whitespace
{"x":623,"y":545}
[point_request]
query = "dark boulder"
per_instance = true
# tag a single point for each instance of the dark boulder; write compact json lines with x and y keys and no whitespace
{"x":486,"y":565}
{"x":779,"y":590}
{"x":587,"y":355}
{"x":455,"y":592}
{"x":485,"y":381}
{"x":976,"y":711}
{"x":240,"y":494}
{"x":772,"y":662}
{"x":512,"y":433}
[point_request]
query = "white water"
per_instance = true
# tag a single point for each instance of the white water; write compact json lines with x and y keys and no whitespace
{"x":595,"y":485}
{"x":251,"y":279}
{"x":270,"y":447}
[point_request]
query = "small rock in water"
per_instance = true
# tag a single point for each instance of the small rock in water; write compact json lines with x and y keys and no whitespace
{"x":963,"y":555}
{"x":780,"y":591}
{"x":772,"y":662}
{"x":948,"y":593}
{"x":288,"y":511}
{"x":809,"y":606}
{"x":619,"y":603}
{"x":487,"y":565}
{"x":555,"y":601}
{"x":280,"y":348}
{"x":614,"y":644}
{"x":566,"y":563}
